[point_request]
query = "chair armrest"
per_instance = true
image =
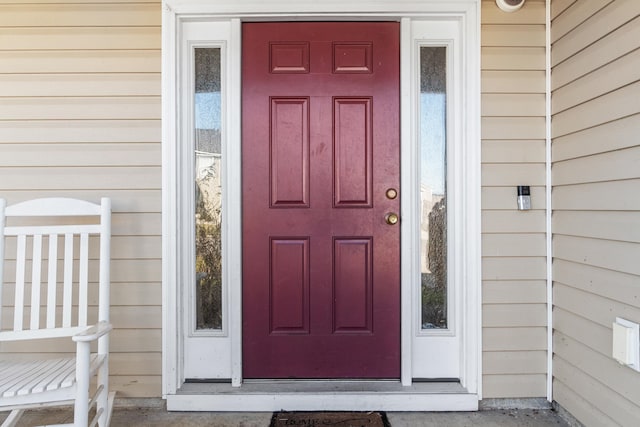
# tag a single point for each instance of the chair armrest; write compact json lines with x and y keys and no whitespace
{"x":94,"y":332}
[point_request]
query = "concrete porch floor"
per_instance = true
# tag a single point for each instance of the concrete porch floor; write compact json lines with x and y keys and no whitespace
{"x":143,"y":417}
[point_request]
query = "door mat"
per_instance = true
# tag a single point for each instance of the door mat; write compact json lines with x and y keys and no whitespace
{"x":332,"y":419}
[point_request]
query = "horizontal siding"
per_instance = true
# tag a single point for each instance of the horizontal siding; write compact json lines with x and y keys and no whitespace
{"x":572,"y":402}
{"x":77,"y":131}
{"x":80,"y":117}
{"x":513,"y":59}
{"x":80,"y":108}
{"x":594,"y":335}
{"x":514,"y":339}
{"x":513,"y":221}
{"x":71,"y":155}
{"x":513,"y":174}
{"x":603,"y":18}
{"x":572,"y":17}
{"x":608,"y":78}
{"x":512,"y":105}
{"x":515,"y":362}
{"x":83,"y":38}
{"x":614,"y":105}
{"x":597,"y":309}
{"x":598,"y":196}
{"x":559,"y":6}
{"x":513,"y":242}
{"x":609,"y":254}
{"x":621,"y":410}
{"x":512,"y":128}
{"x":513,"y":268}
{"x":65,"y":14}
{"x":513,"y":151}
{"x":609,"y":166}
{"x":514,"y":315}
{"x":622,"y":226}
{"x":598,"y":281}
{"x":64,"y":178}
{"x":619,"y":134}
{"x":578,"y":364}
{"x":507,"y":81}
{"x":596,"y":180}
{"x":527,"y":385}
{"x":514,"y":292}
{"x":80,"y":61}
{"x":603,"y":51}
{"x":84,"y":85}
{"x":512,"y":35}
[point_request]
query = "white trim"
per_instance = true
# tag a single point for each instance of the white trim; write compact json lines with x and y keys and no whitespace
{"x":171,"y":362}
{"x":376,"y":401}
{"x":234,"y":175}
{"x":353,"y":9}
{"x":468,"y":12}
{"x":408,"y":240}
{"x":548,"y":212}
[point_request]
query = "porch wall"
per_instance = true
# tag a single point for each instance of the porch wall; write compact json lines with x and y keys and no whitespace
{"x":80,"y":117}
{"x":513,"y":242}
{"x":596,"y":203}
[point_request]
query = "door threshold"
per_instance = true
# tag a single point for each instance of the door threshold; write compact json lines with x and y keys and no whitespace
{"x":322,"y":396}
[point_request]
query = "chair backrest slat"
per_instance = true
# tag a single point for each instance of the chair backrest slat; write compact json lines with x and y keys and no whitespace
{"x":51,"y":283}
{"x":36,"y":277}
{"x":83,"y":280}
{"x":67,"y":294}
{"x":21,"y":249}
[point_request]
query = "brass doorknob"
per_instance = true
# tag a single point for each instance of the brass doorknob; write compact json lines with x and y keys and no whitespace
{"x":391,"y":218}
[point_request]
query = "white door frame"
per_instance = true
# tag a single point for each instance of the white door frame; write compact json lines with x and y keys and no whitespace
{"x":465,"y":178}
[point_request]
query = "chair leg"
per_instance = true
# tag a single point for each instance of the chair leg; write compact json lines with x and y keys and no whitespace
{"x":109,"y":408}
{"x":104,"y":400}
{"x":13,"y":418}
{"x":81,"y":407}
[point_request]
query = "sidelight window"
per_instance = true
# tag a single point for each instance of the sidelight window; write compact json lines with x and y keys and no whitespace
{"x":433,"y":187}
{"x":208,"y":189}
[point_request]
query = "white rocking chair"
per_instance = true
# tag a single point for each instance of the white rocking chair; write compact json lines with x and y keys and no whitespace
{"x":52,"y":304}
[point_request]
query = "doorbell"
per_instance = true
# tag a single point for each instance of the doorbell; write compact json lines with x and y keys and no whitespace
{"x":524,"y":198}
{"x":509,"y":5}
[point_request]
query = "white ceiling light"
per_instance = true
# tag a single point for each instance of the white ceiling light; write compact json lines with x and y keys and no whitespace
{"x":509,"y":5}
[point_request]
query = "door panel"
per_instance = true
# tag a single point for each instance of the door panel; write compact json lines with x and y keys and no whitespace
{"x":321,"y":281}
{"x":289,"y":174}
{"x":353,"y":152}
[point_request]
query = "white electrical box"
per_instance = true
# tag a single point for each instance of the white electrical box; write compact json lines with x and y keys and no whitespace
{"x":626,"y":343}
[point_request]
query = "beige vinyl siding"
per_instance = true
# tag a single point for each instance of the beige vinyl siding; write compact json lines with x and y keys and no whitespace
{"x":513,"y":242}
{"x":80,"y":117}
{"x":596,"y":204}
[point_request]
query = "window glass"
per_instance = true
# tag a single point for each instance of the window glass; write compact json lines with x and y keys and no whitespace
{"x":208,"y":189}
{"x":433,"y":187}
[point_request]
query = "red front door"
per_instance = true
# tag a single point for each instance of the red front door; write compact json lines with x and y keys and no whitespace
{"x":320,"y":149}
